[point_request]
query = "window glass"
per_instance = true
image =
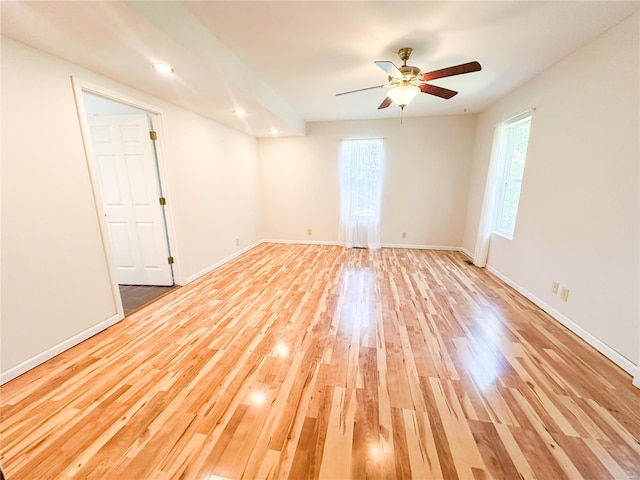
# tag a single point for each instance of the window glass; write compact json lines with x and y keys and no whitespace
{"x":513,"y":155}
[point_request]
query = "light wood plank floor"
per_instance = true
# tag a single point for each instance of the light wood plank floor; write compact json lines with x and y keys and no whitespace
{"x":319,"y":362}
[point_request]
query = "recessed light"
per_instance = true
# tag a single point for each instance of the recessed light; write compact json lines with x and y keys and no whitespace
{"x":274,"y":131}
{"x":241,"y":112}
{"x":163,"y":68}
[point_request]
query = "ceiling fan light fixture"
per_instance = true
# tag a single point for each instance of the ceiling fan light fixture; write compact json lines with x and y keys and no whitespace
{"x":403,"y":94}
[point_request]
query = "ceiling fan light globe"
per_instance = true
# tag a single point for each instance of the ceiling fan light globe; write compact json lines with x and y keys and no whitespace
{"x":403,"y":94}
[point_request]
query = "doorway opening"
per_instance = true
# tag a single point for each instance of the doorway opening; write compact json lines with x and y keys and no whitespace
{"x":128,"y":183}
{"x":134,"y":297}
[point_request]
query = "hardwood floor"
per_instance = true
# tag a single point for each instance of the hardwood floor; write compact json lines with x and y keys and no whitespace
{"x":318,"y":362}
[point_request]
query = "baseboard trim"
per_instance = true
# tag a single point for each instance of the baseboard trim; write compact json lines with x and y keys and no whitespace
{"x":300,"y":242}
{"x":602,"y":347}
{"x":466,"y":252}
{"x":57,"y":349}
{"x":211,"y":268}
{"x":384,"y":245}
{"x":420,"y":247}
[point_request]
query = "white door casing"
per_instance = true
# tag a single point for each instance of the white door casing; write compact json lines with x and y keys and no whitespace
{"x":128,"y":178}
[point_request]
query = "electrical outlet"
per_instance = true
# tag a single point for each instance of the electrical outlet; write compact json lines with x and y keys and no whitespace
{"x":237,"y":242}
{"x":309,"y":232}
{"x":554,"y":288}
{"x":564,"y":294}
{"x":404,"y":234}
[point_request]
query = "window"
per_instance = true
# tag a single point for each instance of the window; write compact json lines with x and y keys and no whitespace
{"x":360,"y":191}
{"x":361,"y":176}
{"x":514,"y":139}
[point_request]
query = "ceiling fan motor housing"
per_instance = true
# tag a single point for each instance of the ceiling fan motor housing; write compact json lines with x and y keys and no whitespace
{"x":409,"y":74}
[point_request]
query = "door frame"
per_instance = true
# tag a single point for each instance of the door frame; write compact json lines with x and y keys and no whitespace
{"x":81,"y":86}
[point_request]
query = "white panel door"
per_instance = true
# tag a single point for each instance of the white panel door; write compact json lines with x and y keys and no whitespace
{"x":129,"y":182}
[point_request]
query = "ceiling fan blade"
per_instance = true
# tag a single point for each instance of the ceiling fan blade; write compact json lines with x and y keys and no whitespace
{"x":451,"y":71}
{"x":437,"y":91}
{"x":360,"y":90}
{"x":385,"y":103}
{"x":389,"y":68}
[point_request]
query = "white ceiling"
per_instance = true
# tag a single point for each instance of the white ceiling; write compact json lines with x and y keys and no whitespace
{"x":285,"y":61}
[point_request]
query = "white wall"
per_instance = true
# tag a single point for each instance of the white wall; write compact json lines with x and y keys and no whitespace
{"x":54,"y":279}
{"x":425,"y":182}
{"x":54,"y":275}
{"x":214,"y":174}
{"x":579,"y":209}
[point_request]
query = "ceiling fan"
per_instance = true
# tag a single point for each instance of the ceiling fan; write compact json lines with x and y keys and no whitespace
{"x":407,"y":81}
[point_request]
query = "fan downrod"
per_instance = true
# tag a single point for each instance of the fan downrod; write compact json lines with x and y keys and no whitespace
{"x":405,"y":54}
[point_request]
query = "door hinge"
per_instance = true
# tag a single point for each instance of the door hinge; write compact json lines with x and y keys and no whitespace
{"x":170,"y":260}
{"x":163,"y":201}
{"x":153,"y":135}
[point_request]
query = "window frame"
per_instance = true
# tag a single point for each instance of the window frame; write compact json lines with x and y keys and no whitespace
{"x":505,"y":180}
